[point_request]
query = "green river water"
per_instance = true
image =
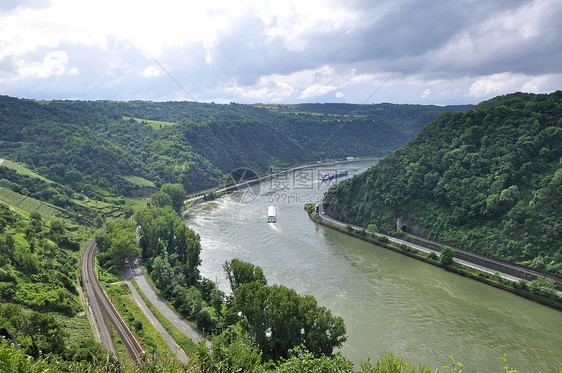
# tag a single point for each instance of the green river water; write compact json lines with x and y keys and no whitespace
{"x":388,"y":301}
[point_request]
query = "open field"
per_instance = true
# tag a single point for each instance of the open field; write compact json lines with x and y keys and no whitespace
{"x":156,"y":124}
{"x":139,"y":181}
{"x":21,"y":169}
{"x":27,"y":204}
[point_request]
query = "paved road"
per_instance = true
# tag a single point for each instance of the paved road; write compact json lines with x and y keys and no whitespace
{"x":161,"y":305}
{"x":418,"y":247}
{"x":127,"y":275}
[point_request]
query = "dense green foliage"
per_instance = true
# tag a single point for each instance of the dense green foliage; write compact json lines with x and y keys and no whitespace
{"x":41,"y":342}
{"x":34,"y":270}
{"x":488,"y":180}
{"x":279,"y":319}
{"x":240,"y":272}
{"x":176,"y":193}
{"x":164,"y":235}
{"x":171,"y":253}
{"x":89,"y":147}
{"x":117,"y":244}
{"x":36,"y":333}
{"x":340,"y":130}
{"x":447,"y":255}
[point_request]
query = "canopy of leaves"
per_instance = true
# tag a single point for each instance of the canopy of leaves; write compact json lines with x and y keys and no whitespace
{"x":118,"y":244}
{"x":240,"y":272}
{"x":488,"y":180}
{"x":279,"y":319}
{"x":34,"y":270}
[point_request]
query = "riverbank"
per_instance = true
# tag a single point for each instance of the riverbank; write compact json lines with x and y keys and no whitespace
{"x":498,"y":280}
{"x":212,"y":193}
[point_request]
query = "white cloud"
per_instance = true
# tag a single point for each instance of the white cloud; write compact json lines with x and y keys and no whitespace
{"x":53,"y":64}
{"x":316,"y":90}
{"x":152,"y":71}
{"x":495,"y":84}
{"x":290,"y":51}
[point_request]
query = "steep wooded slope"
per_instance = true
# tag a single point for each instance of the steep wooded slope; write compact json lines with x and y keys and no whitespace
{"x":487,"y":180}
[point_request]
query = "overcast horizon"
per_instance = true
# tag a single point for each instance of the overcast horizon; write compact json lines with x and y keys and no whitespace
{"x":281,"y":52}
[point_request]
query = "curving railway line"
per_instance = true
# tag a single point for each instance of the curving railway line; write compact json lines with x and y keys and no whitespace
{"x":99,"y":301}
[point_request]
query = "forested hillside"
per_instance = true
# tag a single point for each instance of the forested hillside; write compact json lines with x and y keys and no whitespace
{"x":488,"y":180}
{"x":91,"y":146}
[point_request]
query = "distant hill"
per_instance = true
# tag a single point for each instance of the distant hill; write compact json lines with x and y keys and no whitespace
{"x":488,"y":180}
{"x":319,"y":130}
{"x":341,"y":130}
{"x":97,"y":146}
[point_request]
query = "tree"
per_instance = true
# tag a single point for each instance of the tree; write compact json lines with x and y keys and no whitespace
{"x":36,"y":333}
{"x":240,"y":272}
{"x":447,"y":255}
{"x":119,"y":243}
{"x":301,"y":360}
{"x":176,"y":193}
{"x":57,"y":227}
{"x":322,"y":331}
{"x":543,"y":286}
{"x":36,"y":221}
{"x":279,"y":319}
{"x":161,"y":199}
{"x":233,"y":351}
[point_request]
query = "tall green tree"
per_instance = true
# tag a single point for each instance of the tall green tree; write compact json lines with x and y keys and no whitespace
{"x":119,"y":243}
{"x":161,"y":199}
{"x":279,"y":319}
{"x":240,"y":272}
{"x":176,"y":193}
{"x":164,"y":233}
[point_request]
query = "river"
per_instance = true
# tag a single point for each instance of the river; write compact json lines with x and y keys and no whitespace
{"x":387,"y":300}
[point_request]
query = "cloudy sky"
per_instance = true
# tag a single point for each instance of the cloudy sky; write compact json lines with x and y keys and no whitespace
{"x":280,"y":51}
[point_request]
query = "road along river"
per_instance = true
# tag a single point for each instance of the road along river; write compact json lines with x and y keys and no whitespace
{"x":388,"y":301}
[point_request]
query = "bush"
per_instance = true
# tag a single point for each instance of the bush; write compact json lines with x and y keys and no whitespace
{"x":447,"y":255}
{"x":544,"y":287}
{"x":388,"y":363}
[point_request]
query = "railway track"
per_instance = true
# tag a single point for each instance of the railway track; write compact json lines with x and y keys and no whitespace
{"x":99,"y":301}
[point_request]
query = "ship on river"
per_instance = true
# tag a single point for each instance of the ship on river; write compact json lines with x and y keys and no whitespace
{"x":272,"y":214}
{"x":332,"y":175}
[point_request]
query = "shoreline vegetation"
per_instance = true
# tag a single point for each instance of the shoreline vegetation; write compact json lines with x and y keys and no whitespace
{"x":520,"y":288}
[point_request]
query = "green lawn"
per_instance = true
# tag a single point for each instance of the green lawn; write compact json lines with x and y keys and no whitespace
{"x":156,"y":124}
{"x":139,"y":181}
